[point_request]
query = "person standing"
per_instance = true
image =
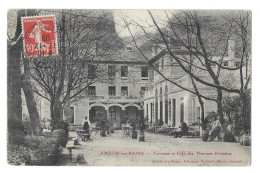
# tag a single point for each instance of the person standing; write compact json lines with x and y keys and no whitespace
{"x":86,"y":127}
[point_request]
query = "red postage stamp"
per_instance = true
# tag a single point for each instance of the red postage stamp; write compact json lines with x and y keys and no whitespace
{"x":39,"y":36}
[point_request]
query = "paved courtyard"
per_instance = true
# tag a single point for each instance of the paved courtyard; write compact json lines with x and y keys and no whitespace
{"x":161,"y":150}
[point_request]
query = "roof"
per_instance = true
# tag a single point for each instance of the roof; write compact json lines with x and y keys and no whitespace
{"x":158,"y":56}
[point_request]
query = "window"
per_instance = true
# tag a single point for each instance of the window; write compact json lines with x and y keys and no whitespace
{"x":143,"y":89}
{"x":124,"y":91}
{"x":111,"y":71}
{"x":124,"y":71}
{"x":226,"y":63}
{"x":112,"y":90}
{"x":237,"y":64}
{"x":162,"y":63}
{"x":129,"y":48}
{"x":144,"y":71}
{"x":212,"y":64}
{"x":92,"y":90}
{"x":91,"y":71}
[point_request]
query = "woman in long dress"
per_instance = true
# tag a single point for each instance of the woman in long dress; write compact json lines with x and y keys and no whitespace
{"x":86,"y":127}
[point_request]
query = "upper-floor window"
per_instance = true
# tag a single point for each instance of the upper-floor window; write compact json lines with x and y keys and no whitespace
{"x":144,"y":71}
{"x":92,"y":90}
{"x":236,"y":64}
{"x":162,"y":63}
{"x":124,"y":71}
{"x":91,"y":71}
{"x":129,"y":48}
{"x":143,"y":89}
{"x":225,"y":63}
{"x":111,"y":70}
{"x":112,"y":90}
{"x":212,"y":64}
{"x":124,"y":91}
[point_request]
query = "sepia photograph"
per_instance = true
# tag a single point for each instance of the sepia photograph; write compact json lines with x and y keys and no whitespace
{"x":129,"y":87}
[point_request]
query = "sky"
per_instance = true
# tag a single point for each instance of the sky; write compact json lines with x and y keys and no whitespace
{"x":139,"y":16}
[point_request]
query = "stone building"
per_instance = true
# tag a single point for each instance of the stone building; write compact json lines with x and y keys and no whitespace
{"x":120,"y":97}
{"x":167,"y":103}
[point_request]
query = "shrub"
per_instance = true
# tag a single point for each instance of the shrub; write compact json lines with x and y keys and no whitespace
{"x":26,"y":124}
{"x":228,"y":137}
{"x":38,"y":150}
{"x":17,"y":154}
{"x":45,"y":150}
{"x":102,"y":123}
{"x":205,"y":135}
{"x":62,"y":136}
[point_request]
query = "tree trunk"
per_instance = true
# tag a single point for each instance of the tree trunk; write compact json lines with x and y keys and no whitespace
{"x":14,"y":100}
{"x":246,"y":111}
{"x":56,"y":113}
{"x":220,"y":108}
{"x":30,"y":101}
{"x":202,"y":110}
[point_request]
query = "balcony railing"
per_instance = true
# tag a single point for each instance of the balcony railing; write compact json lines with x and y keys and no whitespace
{"x":131,"y":97}
{"x":114,"y":97}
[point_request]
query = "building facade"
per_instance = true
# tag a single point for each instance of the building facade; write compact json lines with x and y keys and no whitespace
{"x":166,"y":103}
{"x":120,"y":97}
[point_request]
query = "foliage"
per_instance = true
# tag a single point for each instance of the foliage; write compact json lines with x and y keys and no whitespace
{"x":210,"y":119}
{"x":63,"y":125}
{"x":102,"y":123}
{"x":160,"y":123}
{"x":26,"y":124}
{"x":228,"y":137}
{"x":37,"y":150}
{"x":205,"y":135}
{"x":18,"y":154}
{"x":133,"y":123}
{"x":238,"y":111}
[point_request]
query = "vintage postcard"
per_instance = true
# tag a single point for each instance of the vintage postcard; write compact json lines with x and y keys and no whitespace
{"x":129,"y":87}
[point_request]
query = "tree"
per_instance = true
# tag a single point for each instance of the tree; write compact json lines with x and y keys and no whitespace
{"x":203,"y":36}
{"x":86,"y":37}
{"x":14,"y":101}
